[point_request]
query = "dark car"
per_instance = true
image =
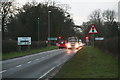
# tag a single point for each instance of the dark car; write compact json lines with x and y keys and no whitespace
{"x":62,"y":44}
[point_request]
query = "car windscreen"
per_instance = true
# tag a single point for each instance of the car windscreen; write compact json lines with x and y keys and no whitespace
{"x":62,"y":42}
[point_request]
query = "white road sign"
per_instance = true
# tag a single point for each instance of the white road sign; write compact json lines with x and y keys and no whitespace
{"x":24,"y":40}
{"x":99,"y":38}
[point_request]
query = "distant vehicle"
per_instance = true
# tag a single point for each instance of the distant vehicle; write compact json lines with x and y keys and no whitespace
{"x":73,"y":42}
{"x":62,"y":44}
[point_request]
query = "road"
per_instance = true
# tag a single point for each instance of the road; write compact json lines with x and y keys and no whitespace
{"x":36,"y":66}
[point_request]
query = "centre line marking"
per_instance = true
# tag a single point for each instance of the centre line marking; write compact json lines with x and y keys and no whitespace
{"x":43,"y":57}
{"x":3,"y":71}
{"x":29,"y":62}
{"x":37,"y":59}
{"x":19,"y":66}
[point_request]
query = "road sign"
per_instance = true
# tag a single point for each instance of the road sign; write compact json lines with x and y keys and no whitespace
{"x":52,"y":38}
{"x":93,"y":30}
{"x":24,"y":40}
{"x":99,"y":38}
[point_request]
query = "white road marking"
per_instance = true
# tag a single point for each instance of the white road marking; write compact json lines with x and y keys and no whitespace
{"x":3,"y":71}
{"x":29,"y":62}
{"x":19,"y":66}
{"x":37,"y":59}
{"x":43,"y":57}
{"x":58,"y":65}
{"x":11,"y":60}
{"x":46,"y":73}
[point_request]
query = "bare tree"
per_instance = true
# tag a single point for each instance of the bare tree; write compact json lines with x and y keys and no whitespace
{"x":4,"y":11}
{"x":95,"y":16}
{"x":109,"y":16}
{"x":7,"y":10}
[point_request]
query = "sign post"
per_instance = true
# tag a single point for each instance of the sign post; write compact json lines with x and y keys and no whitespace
{"x":99,"y":38}
{"x":52,"y":38}
{"x":93,"y":31}
{"x":24,"y":41}
{"x":93,"y":40}
{"x":87,"y":40}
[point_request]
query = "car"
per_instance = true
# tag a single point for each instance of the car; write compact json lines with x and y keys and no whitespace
{"x":73,"y":43}
{"x":62,"y":44}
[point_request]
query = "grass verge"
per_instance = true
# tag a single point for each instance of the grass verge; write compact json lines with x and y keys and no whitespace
{"x":23,"y":53}
{"x":90,"y":62}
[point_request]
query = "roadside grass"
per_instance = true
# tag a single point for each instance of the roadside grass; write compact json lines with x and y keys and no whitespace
{"x":90,"y":62}
{"x":23,"y":53}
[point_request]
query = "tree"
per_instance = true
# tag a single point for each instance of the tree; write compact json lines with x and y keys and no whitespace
{"x":96,"y":18}
{"x":26,"y":22}
{"x":105,"y":23}
{"x":110,"y":26}
{"x":7,"y":10}
{"x":109,"y":16}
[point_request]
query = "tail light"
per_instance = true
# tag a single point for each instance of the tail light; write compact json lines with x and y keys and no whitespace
{"x":58,"y":44}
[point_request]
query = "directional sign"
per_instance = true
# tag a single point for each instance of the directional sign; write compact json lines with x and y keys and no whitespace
{"x":99,"y":38}
{"x":52,"y":38}
{"x":24,"y":40}
{"x":93,"y":30}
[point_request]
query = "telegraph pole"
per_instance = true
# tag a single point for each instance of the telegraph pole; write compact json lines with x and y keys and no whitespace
{"x":49,"y":26}
{"x":38,"y":33}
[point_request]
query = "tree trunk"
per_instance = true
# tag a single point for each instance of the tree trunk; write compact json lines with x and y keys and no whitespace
{"x":3,"y":31}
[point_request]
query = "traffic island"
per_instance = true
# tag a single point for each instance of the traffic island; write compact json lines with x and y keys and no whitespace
{"x":90,"y":62}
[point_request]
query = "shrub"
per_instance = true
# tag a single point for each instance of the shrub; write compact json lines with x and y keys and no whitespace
{"x":110,"y":44}
{"x":11,"y":46}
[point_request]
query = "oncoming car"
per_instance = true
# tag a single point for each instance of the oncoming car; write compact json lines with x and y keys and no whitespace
{"x":73,"y":43}
{"x":62,"y":44}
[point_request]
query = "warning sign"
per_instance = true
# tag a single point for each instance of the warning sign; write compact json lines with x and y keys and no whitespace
{"x":93,"y":30}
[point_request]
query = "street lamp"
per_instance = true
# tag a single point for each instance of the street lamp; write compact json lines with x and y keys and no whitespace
{"x":38,"y":32}
{"x":49,"y":26}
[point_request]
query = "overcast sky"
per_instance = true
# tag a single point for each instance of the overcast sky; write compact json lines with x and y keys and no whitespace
{"x":81,"y":9}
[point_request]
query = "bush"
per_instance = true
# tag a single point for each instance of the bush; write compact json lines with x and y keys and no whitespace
{"x":9,"y":46}
{"x":110,"y":44}
{"x":35,"y":44}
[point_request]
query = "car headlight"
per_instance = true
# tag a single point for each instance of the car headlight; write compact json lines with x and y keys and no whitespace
{"x":81,"y":44}
{"x":76,"y":45}
{"x":68,"y":45}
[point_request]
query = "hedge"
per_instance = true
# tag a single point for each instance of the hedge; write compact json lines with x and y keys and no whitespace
{"x":11,"y":46}
{"x":110,"y":44}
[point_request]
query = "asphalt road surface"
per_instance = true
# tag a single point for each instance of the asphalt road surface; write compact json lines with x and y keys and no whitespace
{"x":36,"y":66}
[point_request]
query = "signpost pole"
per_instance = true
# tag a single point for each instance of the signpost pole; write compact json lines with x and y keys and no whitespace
{"x":92,"y":31}
{"x":93,"y":39}
{"x":38,"y":32}
{"x":49,"y":27}
{"x":87,"y":43}
{"x":28,"y":47}
{"x":19,"y":48}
